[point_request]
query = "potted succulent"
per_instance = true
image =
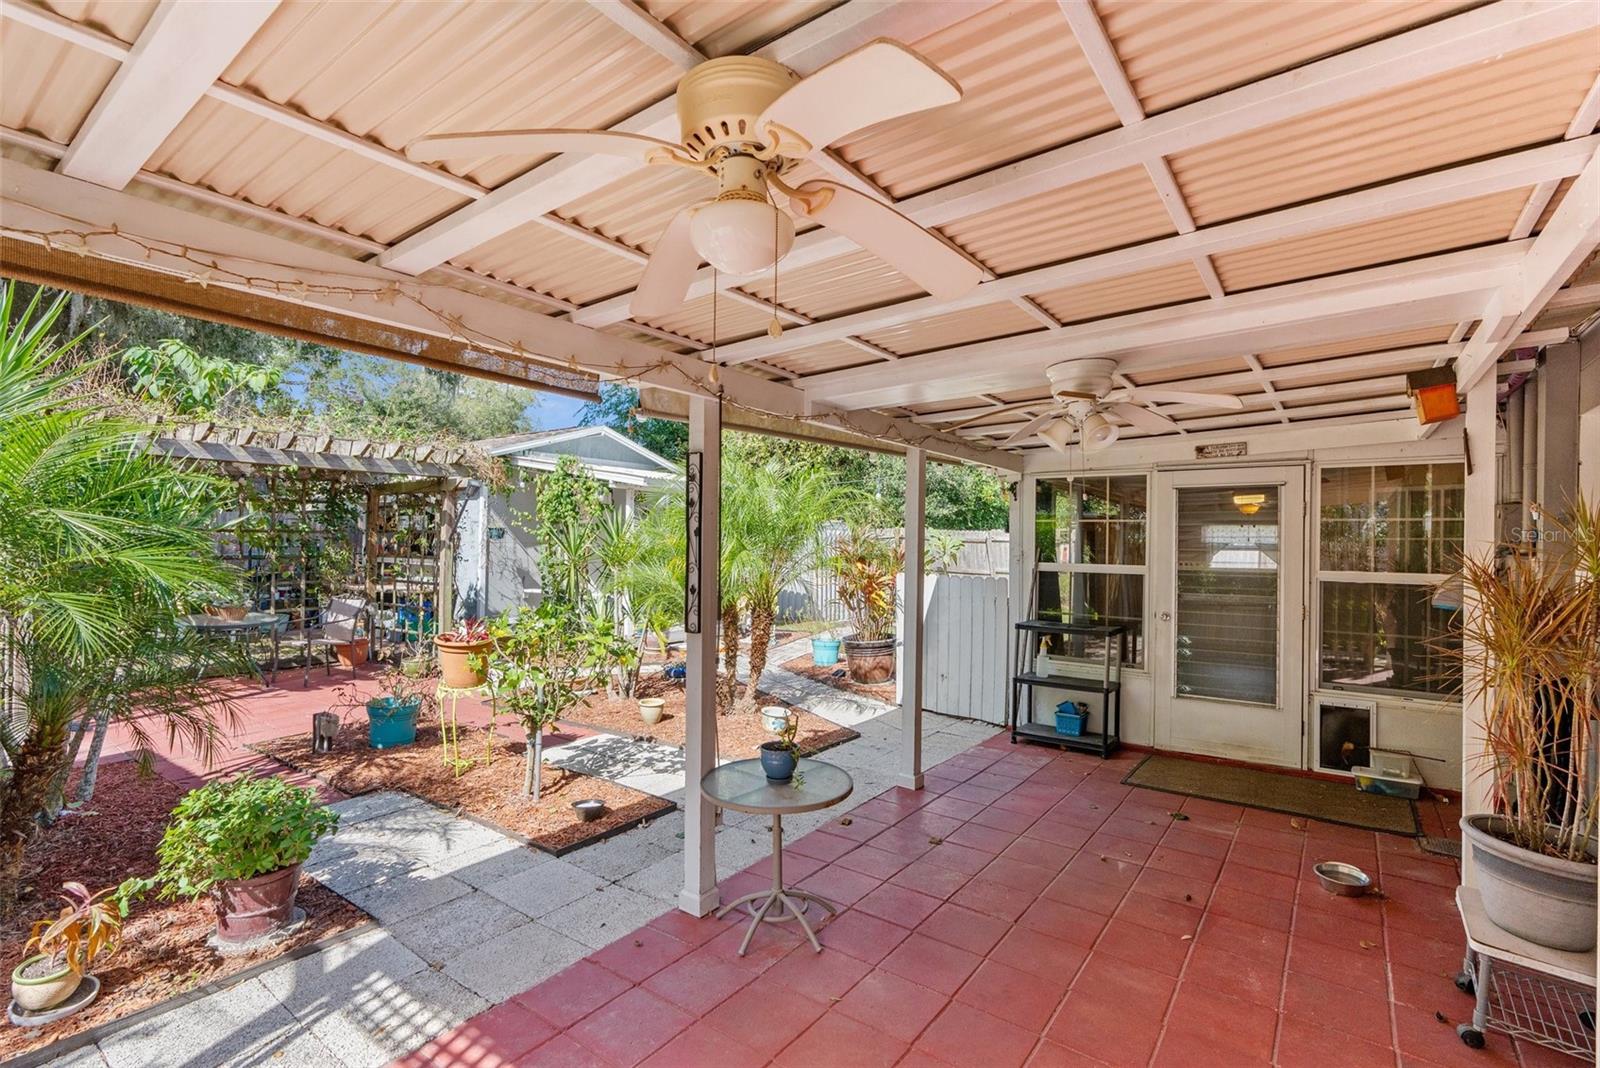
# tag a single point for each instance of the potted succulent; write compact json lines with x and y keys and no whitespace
{"x":392,"y":717}
{"x":866,"y":568}
{"x":242,"y":841}
{"x":88,"y":928}
{"x":779,"y":757}
{"x":462,"y":660}
{"x":1530,"y":655}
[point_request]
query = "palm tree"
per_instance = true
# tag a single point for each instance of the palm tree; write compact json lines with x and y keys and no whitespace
{"x":778,"y":514}
{"x":102,"y":545}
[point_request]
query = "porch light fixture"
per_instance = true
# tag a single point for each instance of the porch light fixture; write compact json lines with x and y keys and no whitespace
{"x":1433,"y":393}
{"x":1098,"y":432}
{"x":1249,"y":503}
{"x":1057,"y":434}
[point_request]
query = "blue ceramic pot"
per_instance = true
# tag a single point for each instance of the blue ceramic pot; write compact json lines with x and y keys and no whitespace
{"x":824,"y":651}
{"x":777,"y":763}
{"x":391,"y":722}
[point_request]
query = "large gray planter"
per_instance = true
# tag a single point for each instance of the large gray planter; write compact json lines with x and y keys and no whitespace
{"x":1543,"y":899}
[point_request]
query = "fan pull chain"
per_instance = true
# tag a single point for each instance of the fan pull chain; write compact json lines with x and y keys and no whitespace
{"x":714,"y":378}
{"x":775,"y":328}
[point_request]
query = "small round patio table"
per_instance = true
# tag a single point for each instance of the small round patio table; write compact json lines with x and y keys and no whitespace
{"x":742,"y":786}
{"x":253,"y":624}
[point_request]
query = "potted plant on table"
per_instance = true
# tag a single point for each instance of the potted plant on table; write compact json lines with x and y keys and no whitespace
{"x":866,"y":568}
{"x":1530,"y":654}
{"x":242,"y":841}
{"x":779,"y":757}
{"x":88,"y":928}
{"x":461,"y":654}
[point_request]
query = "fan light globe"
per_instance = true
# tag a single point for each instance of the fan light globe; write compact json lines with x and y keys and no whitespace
{"x":1098,"y":433}
{"x":736,"y":236}
{"x":1057,"y":434}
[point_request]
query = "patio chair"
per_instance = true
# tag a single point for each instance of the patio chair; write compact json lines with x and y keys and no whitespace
{"x":343,"y":623}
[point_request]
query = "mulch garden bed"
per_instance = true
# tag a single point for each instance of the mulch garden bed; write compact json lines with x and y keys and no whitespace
{"x":836,"y":676}
{"x":739,"y":733}
{"x":164,"y":952}
{"x":488,"y":791}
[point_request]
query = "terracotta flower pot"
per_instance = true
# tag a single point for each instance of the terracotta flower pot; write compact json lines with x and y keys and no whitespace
{"x":455,"y":665}
{"x":351,"y":654}
{"x":36,"y":993}
{"x":869,"y":662}
{"x":248,"y":909}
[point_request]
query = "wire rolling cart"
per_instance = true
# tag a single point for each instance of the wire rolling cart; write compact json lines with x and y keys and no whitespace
{"x":1524,"y":990}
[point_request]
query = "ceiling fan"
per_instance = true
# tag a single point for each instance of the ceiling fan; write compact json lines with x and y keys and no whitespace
{"x":1085,"y":392}
{"x":745,"y":121}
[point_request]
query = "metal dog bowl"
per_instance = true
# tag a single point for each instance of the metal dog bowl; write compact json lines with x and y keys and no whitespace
{"x":589,"y":809}
{"x":1346,"y":880}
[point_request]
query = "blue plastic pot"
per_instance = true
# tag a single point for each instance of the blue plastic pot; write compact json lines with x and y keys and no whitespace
{"x":777,"y":763}
{"x":824,"y":651}
{"x":391,"y":722}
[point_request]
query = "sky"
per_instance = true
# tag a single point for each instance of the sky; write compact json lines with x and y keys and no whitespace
{"x":553,"y":411}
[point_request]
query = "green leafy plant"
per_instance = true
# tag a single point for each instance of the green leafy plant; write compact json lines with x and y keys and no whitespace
{"x":234,"y":829}
{"x":866,"y":568}
{"x":88,"y":928}
{"x":538,"y":666}
{"x":174,"y":373}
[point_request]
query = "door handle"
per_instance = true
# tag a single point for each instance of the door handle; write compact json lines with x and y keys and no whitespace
{"x":1166,"y":617}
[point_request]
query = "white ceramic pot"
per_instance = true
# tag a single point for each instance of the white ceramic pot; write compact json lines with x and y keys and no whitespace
{"x":1543,"y":899}
{"x":651,"y":708}
{"x":42,"y":992}
{"x":774,"y":718}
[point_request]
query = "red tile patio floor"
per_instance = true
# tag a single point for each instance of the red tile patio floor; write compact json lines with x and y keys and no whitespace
{"x":1029,"y":909}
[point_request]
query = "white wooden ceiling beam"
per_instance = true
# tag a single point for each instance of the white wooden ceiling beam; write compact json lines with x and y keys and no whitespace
{"x":179,"y":54}
{"x":566,"y":178}
{"x":650,"y":31}
{"x":1476,"y":36}
{"x":1516,"y":170}
{"x":1265,"y":382}
{"x":1423,"y":292}
{"x":1572,"y":234}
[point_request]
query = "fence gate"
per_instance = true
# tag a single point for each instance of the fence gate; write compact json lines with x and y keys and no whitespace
{"x":964,"y":646}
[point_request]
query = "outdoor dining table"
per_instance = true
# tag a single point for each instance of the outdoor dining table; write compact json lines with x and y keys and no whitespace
{"x":742,"y":786}
{"x":239,"y":630}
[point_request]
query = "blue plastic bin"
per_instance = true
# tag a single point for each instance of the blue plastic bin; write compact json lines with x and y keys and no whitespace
{"x":1069,"y":720}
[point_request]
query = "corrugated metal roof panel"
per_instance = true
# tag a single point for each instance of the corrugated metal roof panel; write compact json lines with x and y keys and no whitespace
{"x":636,"y":209}
{"x":1402,"y":339}
{"x":1218,"y":365}
{"x":122,"y":19}
{"x":733,"y":321}
{"x":394,"y":71}
{"x":1116,"y":209}
{"x":1523,"y":98}
{"x":1026,"y":88}
{"x":830,"y":356}
{"x":721,"y":27}
{"x":1399,"y":237}
{"x":1554,"y":203}
{"x":1175,"y":53}
{"x":849,"y":283}
{"x":533,"y":255}
{"x":1154,"y":288}
{"x":954,"y":328}
{"x":47,"y":86}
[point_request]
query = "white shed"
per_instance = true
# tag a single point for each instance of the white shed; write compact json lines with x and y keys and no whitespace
{"x":498,"y":563}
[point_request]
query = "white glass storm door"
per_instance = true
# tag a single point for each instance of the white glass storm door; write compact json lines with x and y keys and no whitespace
{"x":1228,"y":612}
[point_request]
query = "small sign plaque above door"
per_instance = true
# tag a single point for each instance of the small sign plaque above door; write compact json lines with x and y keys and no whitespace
{"x":1222,"y":450}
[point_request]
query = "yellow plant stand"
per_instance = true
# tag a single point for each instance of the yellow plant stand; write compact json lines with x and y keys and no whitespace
{"x":450,"y":726}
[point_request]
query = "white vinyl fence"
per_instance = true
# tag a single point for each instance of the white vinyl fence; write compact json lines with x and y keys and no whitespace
{"x":983,"y":552}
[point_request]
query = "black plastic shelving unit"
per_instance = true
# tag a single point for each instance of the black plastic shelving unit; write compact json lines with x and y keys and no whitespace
{"x":1028,"y":678}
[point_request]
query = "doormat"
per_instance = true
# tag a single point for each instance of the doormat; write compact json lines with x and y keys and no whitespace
{"x":1330,"y":802}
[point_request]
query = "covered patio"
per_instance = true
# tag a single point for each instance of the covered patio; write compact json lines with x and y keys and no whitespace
{"x":1209,"y":245}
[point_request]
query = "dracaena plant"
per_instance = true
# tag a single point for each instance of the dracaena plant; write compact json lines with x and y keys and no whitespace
{"x":88,"y":928}
{"x":866,"y":568}
{"x":234,"y":829}
{"x":1530,"y":652}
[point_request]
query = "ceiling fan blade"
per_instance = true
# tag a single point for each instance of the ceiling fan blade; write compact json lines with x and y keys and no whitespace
{"x":480,"y":143}
{"x":1143,"y":418}
{"x":1179,"y":396}
{"x":878,"y":228}
{"x":880,"y":80}
{"x":1031,"y":427}
{"x":999,"y":409}
{"x":666,"y":279}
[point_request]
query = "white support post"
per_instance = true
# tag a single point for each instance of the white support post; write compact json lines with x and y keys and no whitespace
{"x":699,"y":894}
{"x":1479,"y":544}
{"x":911,"y":624}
